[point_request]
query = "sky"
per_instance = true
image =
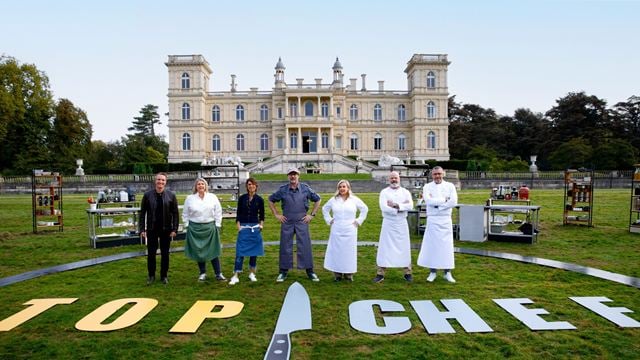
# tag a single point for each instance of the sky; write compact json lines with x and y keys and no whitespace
{"x":108,"y":57}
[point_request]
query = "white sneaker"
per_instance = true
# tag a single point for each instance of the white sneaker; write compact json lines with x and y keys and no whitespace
{"x":253,"y":277}
{"x":202,"y":277}
{"x":234,"y":280}
{"x":431,"y":277}
{"x":448,"y":277}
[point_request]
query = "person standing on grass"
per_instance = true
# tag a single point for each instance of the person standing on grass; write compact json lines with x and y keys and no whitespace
{"x":158,"y":225}
{"x":202,"y":214}
{"x":436,"y":251}
{"x":294,"y":220}
{"x":394,"y":246}
{"x":249,"y":221}
{"x":340,"y":213}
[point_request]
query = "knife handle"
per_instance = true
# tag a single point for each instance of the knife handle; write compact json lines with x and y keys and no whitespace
{"x":279,"y":348}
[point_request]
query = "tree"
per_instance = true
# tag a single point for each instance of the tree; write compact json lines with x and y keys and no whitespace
{"x":626,"y":120}
{"x":71,"y":135}
{"x":578,"y":115}
{"x":26,"y":108}
{"x":471,"y":125}
{"x":531,"y":134}
{"x":614,"y":154}
{"x":143,"y":125}
{"x":574,"y":153}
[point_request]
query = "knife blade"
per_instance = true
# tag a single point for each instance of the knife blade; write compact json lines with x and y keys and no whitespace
{"x":295,"y":315}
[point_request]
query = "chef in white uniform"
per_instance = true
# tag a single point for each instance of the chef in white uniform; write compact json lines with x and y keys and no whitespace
{"x":436,"y":251}
{"x":340,"y":213}
{"x":394,"y":246}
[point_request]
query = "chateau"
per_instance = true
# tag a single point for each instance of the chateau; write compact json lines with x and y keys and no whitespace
{"x":318,"y":125}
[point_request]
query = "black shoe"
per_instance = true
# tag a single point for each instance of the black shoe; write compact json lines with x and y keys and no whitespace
{"x":378,"y":279}
{"x":348,"y":278}
{"x":150,"y":280}
{"x":313,"y":277}
{"x":165,"y":280}
{"x":338,"y":279}
{"x":408,"y":277}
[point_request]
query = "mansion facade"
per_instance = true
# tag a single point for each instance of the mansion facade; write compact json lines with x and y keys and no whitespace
{"x":301,"y":122}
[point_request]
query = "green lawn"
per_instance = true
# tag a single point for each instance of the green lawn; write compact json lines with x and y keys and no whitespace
{"x":607,"y":246}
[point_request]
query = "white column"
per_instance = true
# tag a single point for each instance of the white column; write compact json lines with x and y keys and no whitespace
{"x":299,"y":148}
{"x":331,"y":115}
{"x":286,"y":107}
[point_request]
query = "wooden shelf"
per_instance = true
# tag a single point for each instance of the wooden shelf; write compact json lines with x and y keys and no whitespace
{"x":46,"y":201}
{"x":578,"y":198}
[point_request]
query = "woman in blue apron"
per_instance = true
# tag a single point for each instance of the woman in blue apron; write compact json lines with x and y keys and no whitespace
{"x":249,"y":220}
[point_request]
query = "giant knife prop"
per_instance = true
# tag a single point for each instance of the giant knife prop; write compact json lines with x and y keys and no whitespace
{"x":295,"y":315}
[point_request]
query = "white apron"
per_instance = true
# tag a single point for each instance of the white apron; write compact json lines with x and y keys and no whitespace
{"x":436,"y":251}
{"x":394,"y":246}
{"x":342,"y":253}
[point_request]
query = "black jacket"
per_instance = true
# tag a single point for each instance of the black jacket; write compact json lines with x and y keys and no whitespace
{"x":169,"y":211}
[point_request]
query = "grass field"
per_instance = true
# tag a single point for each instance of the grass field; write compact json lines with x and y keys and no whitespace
{"x":607,"y":246}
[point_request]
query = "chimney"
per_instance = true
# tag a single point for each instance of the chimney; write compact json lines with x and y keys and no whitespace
{"x":352,"y":84}
{"x":299,"y":81}
{"x":364,"y":77}
{"x":318,"y":83}
{"x":233,"y":83}
{"x":381,"y":85}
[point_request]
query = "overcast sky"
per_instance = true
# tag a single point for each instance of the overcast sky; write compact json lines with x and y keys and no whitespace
{"x":108,"y":57}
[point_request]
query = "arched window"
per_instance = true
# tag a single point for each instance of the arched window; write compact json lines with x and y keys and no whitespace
{"x":239,"y":113}
{"x":353,"y":112}
{"x":264,"y":142}
{"x":308,"y":108}
{"x":402,"y":113}
{"x":294,"y":140}
{"x":185,"y":81}
{"x":431,"y":110}
{"x":215,"y":113}
{"x":264,"y":112}
{"x":325,"y":110}
{"x":186,"y":111}
{"x":377,"y":112}
{"x":353,"y":141}
{"x":240,"y":142}
{"x":186,"y":142}
{"x":325,"y":140}
{"x":431,"y":140}
{"x":402,"y":142}
{"x":431,"y":80}
{"x":294,"y":109}
{"x":215,"y":143}
{"x":377,"y":142}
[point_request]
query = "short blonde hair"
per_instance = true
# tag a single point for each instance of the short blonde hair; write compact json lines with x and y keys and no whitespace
{"x":195,"y":184}
{"x":346,"y":182}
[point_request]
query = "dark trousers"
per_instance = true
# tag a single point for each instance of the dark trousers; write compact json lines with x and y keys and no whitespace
{"x":153,"y":238}
{"x":303,"y":244}
{"x":214,"y":262}
{"x":253,"y":262}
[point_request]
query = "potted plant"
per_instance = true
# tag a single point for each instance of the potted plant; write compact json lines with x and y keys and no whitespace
{"x":92,"y":203}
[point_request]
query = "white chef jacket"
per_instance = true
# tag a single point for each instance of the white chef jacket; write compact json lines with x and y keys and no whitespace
{"x":436,"y":251}
{"x":342,"y":254}
{"x":394,"y":245}
{"x":202,"y":210}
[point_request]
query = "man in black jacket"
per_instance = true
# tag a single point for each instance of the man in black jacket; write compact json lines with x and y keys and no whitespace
{"x":158,"y":224}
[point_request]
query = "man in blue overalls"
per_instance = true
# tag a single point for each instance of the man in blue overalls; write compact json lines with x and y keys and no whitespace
{"x":294,"y":220}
